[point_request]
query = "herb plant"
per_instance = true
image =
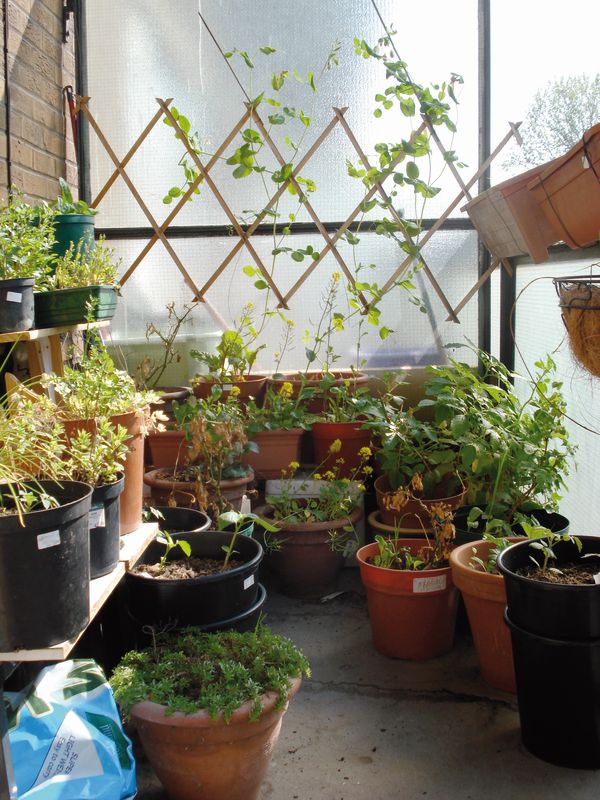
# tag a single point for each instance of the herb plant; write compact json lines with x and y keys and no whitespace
{"x":26,"y":238}
{"x":65,"y":204}
{"x":98,"y":457}
{"x":216,"y":672}
{"x":165,"y":538}
{"x":80,"y":266}
{"x":234,"y":357}
{"x":280,"y":410}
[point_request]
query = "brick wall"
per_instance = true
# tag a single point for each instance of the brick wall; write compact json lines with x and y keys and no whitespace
{"x":39,"y":65}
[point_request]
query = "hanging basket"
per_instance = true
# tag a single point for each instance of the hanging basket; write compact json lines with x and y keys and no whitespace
{"x":580,"y":303}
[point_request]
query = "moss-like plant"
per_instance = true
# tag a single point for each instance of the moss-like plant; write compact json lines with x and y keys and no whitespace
{"x":215,"y":672}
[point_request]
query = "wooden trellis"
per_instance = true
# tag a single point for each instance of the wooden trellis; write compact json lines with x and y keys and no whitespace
{"x":245,"y":234}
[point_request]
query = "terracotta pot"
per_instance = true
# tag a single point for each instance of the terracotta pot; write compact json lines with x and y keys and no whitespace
{"x":164,"y":489}
{"x":379,"y":528}
{"x":276,"y":450}
{"x":485,"y":599}
{"x":412,"y":613}
{"x":168,"y":394}
{"x":167,"y":448}
{"x":412,"y":515}
{"x":199,"y":758}
{"x":305,"y":564}
{"x":568,"y":192}
{"x":130,"y":504}
{"x":510,"y":221}
{"x":352,"y":438}
{"x":311,"y":380}
{"x":251,"y":387}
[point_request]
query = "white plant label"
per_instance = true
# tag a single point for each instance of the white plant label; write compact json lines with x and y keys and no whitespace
{"x":97,"y":518}
{"x":14,"y":297}
{"x":435,"y":584}
{"x":50,"y":539}
{"x":597,"y":577}
{"x":227,"y":387}
{"x":249,"y":582}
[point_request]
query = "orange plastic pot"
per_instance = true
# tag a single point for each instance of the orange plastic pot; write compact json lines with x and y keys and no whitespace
{"x":276,"y":450}
{"x":412,"y":514}
{"x":304,"y":565}
{"x":199,"y":758}
{"x":166,"y":489}
{"x":485,"y":600}
{"x":352,"y":439}
{"x":412,"y":613}
{"x":568,"y":192}
{"x":251,"y":387}
{"x":167,"y":448}
{"x":130,"y":503}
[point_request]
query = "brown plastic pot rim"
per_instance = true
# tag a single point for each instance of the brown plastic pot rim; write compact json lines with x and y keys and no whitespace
{"x":374,"y":520}
{"x":464,"y":575}
{"x":160,"y":483}
{"x":311,"y":527}
{"x":206,"y":379}
{"x":156,"y":713}
{"x":313,"y":376}
{"x":352,"y":430}
{"x":287,"y":433}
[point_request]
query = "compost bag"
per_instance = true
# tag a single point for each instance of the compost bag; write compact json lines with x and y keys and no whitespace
{"x":66,"y":737}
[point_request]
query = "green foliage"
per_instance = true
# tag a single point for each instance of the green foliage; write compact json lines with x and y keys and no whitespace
{"x":150,"y":370}
{"x":65,"y":204}
{"x":280,"y":410}
{"x":216,"y":672}
{"x":26,"y":238}
{"x":240,"y":522}
{"x":345,"y":402}
{"x":235,"y":357}
{"x":165,"y":538}
{"x":98,"y":457}
{"x":545,"y":549}
{"x":80,"y":266}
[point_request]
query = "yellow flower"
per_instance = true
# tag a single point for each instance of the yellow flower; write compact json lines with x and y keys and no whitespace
{"x":317,"y":476}
{"x":365,"y":452}
{"x":329,"y":475}
{"x":347,"y":383}
{"x":346,"y":481}
{"x":360,"y":487}
{"x":336,"y":277}
{"x":368,"y":470}
{"x":335,"y":446}
{"x":340,"y":461}
{"x":286,"y":390}
{"x":293,"y":465}
{"x":290,"y":323}
{"x":234,"y":391}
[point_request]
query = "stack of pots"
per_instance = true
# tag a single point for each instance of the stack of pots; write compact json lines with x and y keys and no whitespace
{"x":555,"y":630}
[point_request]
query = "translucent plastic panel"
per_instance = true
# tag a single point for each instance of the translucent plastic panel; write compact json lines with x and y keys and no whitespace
{"x":539,"y":330}
{"x":141,"y":50}
{"x":417,"y":338}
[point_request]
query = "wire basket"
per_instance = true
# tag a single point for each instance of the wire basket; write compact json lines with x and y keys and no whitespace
{"x":579,"y":299}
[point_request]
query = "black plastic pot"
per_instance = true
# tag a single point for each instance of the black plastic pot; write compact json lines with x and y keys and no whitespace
{"x":104,"y":528}
{"x":548,"y":519}
{"x":196,"y":601}
{"x":559,"y":611}
{"x":72,"y":306}
{"x":558,"y":688}
{"x":45,"y":570}
{"x":16,"y":305}
{"x":182,"y":520}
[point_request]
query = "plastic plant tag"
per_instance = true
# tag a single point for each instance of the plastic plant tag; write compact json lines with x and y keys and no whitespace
{"x":50,"y":539}
{"x":14,"y":297}
{"x":97,"y":518}
{"x":597,"y":577}
{"x":249,"y":582}
{"x":245,"y":505}
{"x":435,"y":584}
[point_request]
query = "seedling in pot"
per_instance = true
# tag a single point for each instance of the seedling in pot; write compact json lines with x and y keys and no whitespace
{"x":546,"y":547}
{"x":239,"y":521}
{"x":164,"y":537}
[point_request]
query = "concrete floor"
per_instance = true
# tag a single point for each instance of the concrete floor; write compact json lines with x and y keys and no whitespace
{"x":366,"y":727}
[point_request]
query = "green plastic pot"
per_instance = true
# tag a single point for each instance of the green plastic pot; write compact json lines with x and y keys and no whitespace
{"x":68,"y":306}
{"x":72,"y":229}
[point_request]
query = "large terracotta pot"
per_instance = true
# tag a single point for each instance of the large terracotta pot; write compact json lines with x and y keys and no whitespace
{"x":130,"y":504}
{"x":311,"y":380}
{"x":305,"y":565}
{"x":276,"y":450}
{"x":485,"y":599}
{"x":199,"y":758}
{"x":568,"y":191}
{"x":352,"y":439}
{"x":378,"y":528}
{"x":251,"y":387}
{"x":167,"y":448}
{"x":164,"y":489}
{"x":412,"y":514}
{"x":412,"y":613}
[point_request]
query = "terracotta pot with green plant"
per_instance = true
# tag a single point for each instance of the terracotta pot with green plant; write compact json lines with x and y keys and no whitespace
{"x":212,"y":742}
{"x":215,"y":478}
{"x":25,"y":257}
{"x":82,"y":287}
{"x":97,"y":390}
{"x":411,"y":597}
{"x":314,"y":533}
{"x":276,"y":428}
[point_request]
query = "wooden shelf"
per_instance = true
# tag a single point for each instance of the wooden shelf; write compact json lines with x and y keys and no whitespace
{"x":132,"y":546}
{"x":44,"y":333}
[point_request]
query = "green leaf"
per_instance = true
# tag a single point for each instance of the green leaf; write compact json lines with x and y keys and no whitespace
{"x":261,"y":284}
{"x":297,"y":255}
{"x":185,"y":546}
{"x":377,"y":113}
{"x":311,"y":81}
{"x":184,"y":124}
{"x":412,"y":170}
{"x":384,"y":333}
{"x":250,"y":271}
{"x":268,"y":51}
{"x":310,"y":355}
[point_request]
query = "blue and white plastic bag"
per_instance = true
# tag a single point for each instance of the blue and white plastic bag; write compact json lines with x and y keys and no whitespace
{"x":66,"y":738}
